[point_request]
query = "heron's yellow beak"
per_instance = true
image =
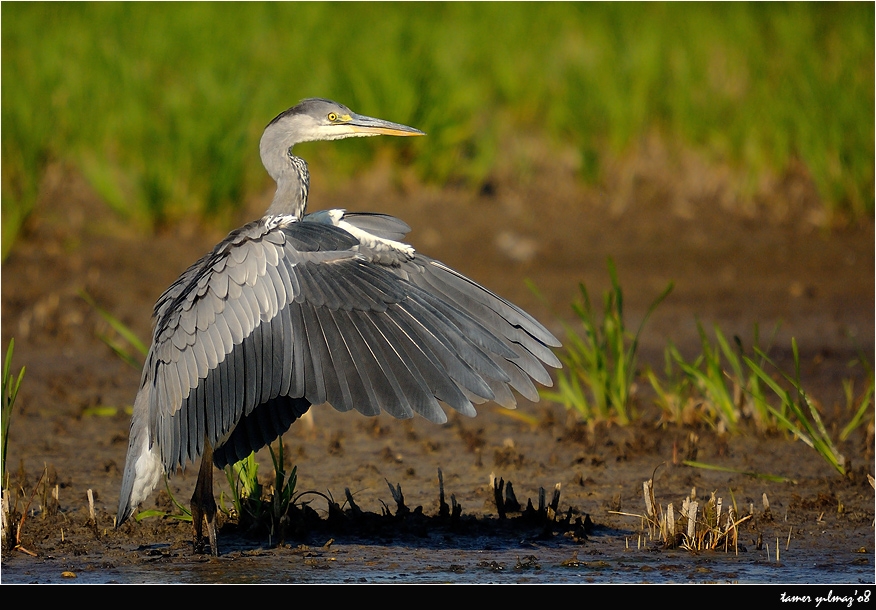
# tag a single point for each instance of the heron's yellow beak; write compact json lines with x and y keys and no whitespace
{"x":364,"y":125}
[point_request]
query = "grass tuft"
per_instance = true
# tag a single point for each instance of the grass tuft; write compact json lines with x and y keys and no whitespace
{"x":864,"y":411}
{"x":11,"y":386}
{"x":725,"y":388}
{"x":256,"y":508}
{"x":696,"y":526}
{"x":716,"y":385}
{"x":9,"y":498}
{"x":799,"y":416}
{"x":600,"y":366}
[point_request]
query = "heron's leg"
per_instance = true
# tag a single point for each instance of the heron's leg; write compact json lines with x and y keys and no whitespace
{"x":203,"y":504}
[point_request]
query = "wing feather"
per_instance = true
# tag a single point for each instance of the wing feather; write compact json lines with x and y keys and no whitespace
{"x":346,"y":378}
{"x":364,"y":367}
{"x":316,"y":356}
{"x":266,"y":362}
{"x":391,"y":395}
{"x":380,"y":225}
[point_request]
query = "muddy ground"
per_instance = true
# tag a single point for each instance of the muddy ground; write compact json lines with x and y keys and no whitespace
{"x":768,"y":261}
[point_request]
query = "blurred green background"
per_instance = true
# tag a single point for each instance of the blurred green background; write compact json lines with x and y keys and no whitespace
{"x":161,"y":105}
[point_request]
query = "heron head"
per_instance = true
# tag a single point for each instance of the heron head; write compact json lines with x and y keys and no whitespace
{"x":316,"y":119}
{"x":320,"y":119}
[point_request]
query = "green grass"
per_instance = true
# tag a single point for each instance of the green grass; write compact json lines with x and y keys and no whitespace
{"x":12,"y":519}
{"x":863,"y":412}
{"x":600,"y":365}
{"x":161,"y":105}
{"x":258,"y":508}
{"x":724,"y":387}
{"x":797,"y":413}
{"x":123,"y":340}
{"x":11,"y":386}
{"x":183,"y":512}
{"x":717,"y":381}
{"x":727,"y":389}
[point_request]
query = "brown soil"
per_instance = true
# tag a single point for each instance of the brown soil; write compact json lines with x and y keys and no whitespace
{"x":733,"y":265}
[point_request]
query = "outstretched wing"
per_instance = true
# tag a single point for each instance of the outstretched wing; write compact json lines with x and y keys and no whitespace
{"x":327,"y":310}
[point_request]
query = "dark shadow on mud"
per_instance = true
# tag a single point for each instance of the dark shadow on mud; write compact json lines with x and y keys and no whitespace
{"x":539,"y":522}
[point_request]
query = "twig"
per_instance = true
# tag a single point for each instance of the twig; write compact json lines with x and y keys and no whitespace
{"x":511,"y":503}
{"x":399,"y":499}
{"x":91,"y":516}
{"x":354,"y":508}
{"x":692,"y":520}
{"x":555,"y":501}
{"x":498,"y":488}
{"x":443,"y":509}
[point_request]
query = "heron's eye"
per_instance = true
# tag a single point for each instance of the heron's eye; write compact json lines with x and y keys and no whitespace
{"x":332,"y":117}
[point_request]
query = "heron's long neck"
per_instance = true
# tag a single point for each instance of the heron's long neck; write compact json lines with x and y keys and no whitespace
{"x":293,"y":183}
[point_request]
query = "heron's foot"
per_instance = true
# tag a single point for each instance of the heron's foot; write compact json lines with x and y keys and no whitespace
{"x":204,"y":515}
{"x":201,"y":542}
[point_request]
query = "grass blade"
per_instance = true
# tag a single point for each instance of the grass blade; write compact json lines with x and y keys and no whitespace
{"x":126,"y":333}
{"x":748,"y":473}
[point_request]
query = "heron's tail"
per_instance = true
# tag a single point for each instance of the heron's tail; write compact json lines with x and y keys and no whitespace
{"x":143,"y":467}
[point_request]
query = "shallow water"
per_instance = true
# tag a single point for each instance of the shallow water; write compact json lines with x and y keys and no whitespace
{"x":601,"y":559}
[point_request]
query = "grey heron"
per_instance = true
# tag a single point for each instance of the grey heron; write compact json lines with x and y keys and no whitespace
{"x":296,"y":309}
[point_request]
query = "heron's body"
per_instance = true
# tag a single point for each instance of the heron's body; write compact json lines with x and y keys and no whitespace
{"x":293,"y":310}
